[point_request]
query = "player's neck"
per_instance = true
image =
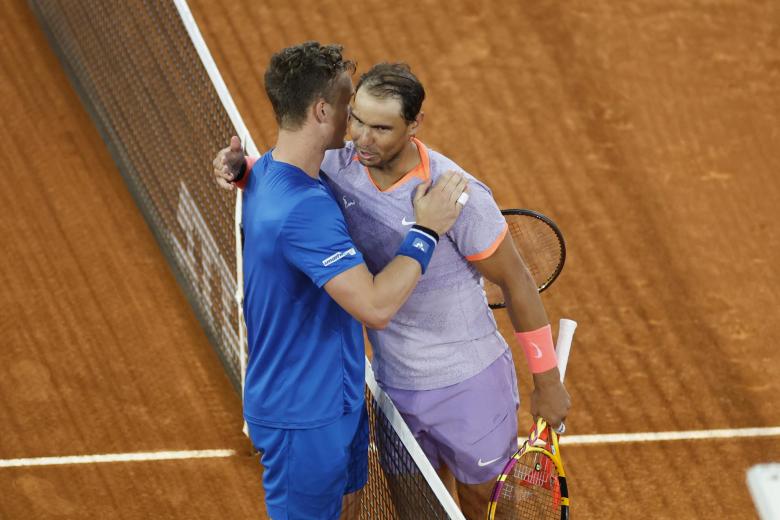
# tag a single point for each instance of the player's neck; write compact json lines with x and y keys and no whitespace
{"x":300,"y":149}
{"x":394,"y":169}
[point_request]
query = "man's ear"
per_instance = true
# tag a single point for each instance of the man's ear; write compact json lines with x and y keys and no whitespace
{"x":320,"y":110}
{"x":415,"y":125}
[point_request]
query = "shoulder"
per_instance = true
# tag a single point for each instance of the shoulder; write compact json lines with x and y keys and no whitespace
{"x":314,"y":198}
{"x":338,"y":159}
{"x":440,"y":163}
{"x":311,"y":206}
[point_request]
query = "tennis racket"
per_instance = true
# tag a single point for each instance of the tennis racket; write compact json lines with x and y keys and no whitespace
{"x":540,"y":243}
{"x":533,"y":482}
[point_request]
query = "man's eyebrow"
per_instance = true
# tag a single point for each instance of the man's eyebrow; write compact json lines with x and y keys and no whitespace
{"x":380,"y":127}
{"x":352,"y":113}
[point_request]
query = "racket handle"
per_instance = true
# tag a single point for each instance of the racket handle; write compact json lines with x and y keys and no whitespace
{"x":563,"y":345}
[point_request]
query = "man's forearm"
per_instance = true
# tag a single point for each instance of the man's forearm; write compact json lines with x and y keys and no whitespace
{"x":392,"y":287}
{"x":523,"y":303}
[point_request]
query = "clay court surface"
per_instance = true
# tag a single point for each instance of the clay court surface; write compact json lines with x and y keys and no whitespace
{"x":648,"y":130}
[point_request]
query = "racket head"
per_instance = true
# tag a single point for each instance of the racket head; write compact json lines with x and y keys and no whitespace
{"x":533,"y":482}
{"x":541,"y":245}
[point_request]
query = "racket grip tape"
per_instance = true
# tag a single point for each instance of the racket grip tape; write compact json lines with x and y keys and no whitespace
{"x":563,"y":345}
{"x":566,"y":329}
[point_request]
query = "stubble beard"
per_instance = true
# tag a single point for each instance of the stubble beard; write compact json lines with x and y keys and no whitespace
{"x":386,"y":164}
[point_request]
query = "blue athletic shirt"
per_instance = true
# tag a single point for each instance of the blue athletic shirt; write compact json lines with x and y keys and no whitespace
{"x":306,"y":363}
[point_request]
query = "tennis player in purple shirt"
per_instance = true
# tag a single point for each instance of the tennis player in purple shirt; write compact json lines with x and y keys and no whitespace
{"x":441,"y":358}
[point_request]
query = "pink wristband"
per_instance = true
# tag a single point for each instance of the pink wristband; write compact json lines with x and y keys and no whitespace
{"x":539,"y":349}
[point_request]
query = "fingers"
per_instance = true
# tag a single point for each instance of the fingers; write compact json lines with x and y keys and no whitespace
{"x":225,"y":185}
{"x":422,"y":188}
{"x":451,"y":184}
{"x":445,"y":182}
{"x":219,"y":160}
{"x":553,"y":410}
{"x":555,"y":420}
{"x":235,"y":144}
{"x":222,"y":174}
{"x":220,"y":165}
{"x":228,"y":162}
{"x":435,"y":206}
{"x":458,"y":189}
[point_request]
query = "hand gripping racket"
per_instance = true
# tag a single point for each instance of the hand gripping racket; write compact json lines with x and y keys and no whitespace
{"x":540,"y":243}
{"x":533,"y":482}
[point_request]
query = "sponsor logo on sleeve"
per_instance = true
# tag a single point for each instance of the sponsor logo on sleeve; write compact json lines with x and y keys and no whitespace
{"x":332,"y":259}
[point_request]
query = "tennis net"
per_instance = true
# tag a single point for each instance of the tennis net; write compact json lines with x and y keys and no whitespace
{"x":145,"y":75}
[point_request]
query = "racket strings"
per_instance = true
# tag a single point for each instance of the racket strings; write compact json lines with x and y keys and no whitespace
{"x":531,"y":490}
{"x":539,"y":246}
{"x":542,"y":250}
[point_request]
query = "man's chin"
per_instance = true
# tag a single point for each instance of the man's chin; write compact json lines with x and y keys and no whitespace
{"x":369,"y":159}
{"x":369,"y":163}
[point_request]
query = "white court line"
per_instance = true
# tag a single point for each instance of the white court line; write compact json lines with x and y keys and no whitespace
{"x":611,"y":438}
{"x":117,"y":457}
{"x":570,"y":440}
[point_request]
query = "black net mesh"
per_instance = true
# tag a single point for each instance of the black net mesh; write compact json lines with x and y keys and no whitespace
{"x":142,"y":81}
{"x":397,"y":487}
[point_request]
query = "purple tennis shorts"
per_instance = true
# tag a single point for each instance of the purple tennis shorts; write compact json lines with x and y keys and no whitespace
{"x":471,"y":426}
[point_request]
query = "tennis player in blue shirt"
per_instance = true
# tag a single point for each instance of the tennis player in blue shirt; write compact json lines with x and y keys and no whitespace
{"x":307,"y":289}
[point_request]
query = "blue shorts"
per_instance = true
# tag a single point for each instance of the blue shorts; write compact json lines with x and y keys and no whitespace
{"x":308,"y":472}
{"x":470,"y":426}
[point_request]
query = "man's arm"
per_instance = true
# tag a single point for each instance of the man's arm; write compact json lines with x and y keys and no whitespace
{"x":374,"y":300}
{"x":505,"y":268}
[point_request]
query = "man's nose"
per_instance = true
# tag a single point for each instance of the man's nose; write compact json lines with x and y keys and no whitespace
{"x":364,"y":137}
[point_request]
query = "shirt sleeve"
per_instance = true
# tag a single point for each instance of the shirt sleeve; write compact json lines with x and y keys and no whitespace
{"x":481,"y":227}
{"x":316,"y":241}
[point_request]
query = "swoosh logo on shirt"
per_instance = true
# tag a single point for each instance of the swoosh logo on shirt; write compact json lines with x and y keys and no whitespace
{"x":538,"y":353}
{"x":486,"y":463}
{"x":405,"y":222}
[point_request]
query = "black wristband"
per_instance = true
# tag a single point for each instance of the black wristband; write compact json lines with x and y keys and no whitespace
{"x":241,"y":171}
{"x":431,"y":232}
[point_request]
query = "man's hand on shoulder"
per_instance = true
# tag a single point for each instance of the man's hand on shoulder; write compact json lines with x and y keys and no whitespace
{"x":437,"y":207}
